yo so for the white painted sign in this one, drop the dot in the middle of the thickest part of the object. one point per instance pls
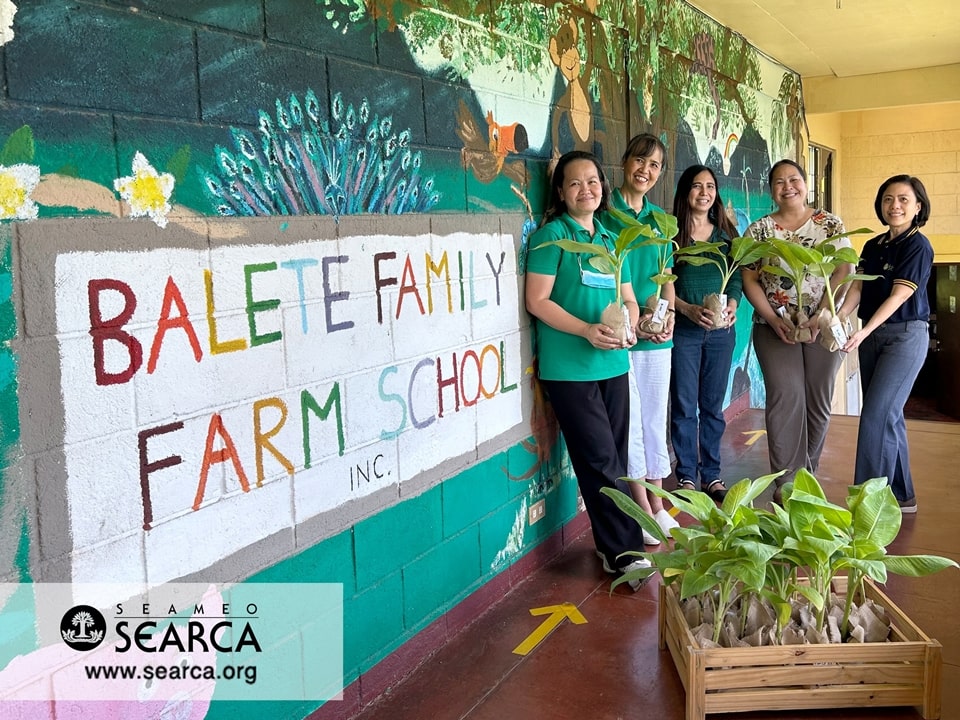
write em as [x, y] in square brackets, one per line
[213, 397]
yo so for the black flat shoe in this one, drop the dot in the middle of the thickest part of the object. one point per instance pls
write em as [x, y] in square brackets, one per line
[717, 490]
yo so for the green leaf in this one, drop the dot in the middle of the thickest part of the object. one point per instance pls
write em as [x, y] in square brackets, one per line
[628, 505]
[747, 250]
[857, 276]
[804, 481]
[917, 565]
[664, 278]
[700, 260]
[179, 163]
[849, 233]
[701, 248]
[19, 147]
[815, 598]
[777, 270]
[578, 247]
[695, 582]
[876, 514]
[795, 255]
[667, 223]
[603, 264]
[846, 255]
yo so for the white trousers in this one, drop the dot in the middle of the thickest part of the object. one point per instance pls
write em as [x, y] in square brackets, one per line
[647, 454]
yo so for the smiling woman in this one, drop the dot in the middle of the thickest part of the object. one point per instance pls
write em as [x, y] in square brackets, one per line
[799, 375]
[893, 343]
[581, 362]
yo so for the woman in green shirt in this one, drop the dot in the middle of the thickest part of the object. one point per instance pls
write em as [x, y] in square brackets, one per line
[702, 355]
[649, 381]
[582, 364]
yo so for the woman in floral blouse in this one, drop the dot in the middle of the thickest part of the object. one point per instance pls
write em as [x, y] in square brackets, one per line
[798, 377]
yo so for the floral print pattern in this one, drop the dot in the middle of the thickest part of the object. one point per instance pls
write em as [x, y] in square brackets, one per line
[780, 291]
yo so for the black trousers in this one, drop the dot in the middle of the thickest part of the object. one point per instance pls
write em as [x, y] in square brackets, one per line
[594, 418]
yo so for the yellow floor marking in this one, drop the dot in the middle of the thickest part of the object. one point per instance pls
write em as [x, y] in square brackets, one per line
[556, 615]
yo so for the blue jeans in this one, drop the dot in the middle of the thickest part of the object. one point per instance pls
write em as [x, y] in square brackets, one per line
[701, 370]
[890, 360]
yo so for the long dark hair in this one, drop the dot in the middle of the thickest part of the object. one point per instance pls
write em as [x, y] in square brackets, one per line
[717, 214]
[919, 190]
[555, 204]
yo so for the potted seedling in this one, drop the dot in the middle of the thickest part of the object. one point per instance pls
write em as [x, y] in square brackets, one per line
[654, 308]
[610, 262]
[796, 262]
[834, 331]
[742, 251]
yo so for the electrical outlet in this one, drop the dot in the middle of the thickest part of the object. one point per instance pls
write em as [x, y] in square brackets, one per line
[537, 511]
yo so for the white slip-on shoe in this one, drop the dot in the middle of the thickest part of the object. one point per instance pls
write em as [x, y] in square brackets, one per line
[638, 564]
[665, 520]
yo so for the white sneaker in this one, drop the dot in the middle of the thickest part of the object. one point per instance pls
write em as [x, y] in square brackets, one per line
[637, 564]
[665, 520]
[606, 565]
[649, 539]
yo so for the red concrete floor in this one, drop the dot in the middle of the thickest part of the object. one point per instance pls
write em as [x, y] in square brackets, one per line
[611, 668]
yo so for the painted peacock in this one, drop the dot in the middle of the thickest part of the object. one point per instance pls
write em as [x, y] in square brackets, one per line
[301, 164]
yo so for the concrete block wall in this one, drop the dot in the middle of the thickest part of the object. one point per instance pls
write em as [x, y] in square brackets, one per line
[922, 141]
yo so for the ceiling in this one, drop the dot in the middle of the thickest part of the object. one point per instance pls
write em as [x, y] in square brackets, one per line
[861, 37]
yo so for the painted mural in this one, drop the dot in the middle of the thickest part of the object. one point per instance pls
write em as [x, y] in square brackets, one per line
[258, 373]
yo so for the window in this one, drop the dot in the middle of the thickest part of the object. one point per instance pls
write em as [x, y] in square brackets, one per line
[820, 177]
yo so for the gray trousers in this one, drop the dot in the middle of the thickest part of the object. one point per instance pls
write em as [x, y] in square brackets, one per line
[799, 382]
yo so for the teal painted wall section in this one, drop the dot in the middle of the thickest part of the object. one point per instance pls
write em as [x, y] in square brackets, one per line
[417, 561]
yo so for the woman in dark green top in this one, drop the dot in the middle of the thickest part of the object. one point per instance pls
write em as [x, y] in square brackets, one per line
[702, 355]
[582, 363]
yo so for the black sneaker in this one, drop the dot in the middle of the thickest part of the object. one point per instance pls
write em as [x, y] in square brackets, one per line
[908, 507]
[716, 490]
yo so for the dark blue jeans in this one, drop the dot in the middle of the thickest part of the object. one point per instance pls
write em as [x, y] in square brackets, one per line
[698, 385]
[890, 360]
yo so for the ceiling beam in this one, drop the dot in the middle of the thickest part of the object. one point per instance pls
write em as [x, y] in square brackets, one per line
[827, 94]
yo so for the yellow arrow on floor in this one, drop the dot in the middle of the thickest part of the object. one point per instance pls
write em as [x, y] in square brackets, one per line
[557, 613]
[754, 436]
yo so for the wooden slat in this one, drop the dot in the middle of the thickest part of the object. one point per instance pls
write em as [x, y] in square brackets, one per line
[839, 696]
[785, 677]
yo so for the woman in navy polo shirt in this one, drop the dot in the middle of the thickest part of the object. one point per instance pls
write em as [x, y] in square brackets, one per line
[582, 363]
[893, 341]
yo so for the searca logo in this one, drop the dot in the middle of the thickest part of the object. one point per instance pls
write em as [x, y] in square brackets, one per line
[83, 628]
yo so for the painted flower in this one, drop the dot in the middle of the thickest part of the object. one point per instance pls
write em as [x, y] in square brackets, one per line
[7, 11]
[16, 184]
[147, 191]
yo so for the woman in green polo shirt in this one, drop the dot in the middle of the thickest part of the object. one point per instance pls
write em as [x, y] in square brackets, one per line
[582, 364]
[649, 381]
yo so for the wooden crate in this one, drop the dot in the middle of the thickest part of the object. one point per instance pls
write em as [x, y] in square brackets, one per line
[904, 671]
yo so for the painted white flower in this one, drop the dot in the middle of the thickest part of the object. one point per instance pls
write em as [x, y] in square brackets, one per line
[7, 11]
[16, 184]
[147, 191]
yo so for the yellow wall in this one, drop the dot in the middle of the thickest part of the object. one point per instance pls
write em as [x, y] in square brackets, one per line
[872, 145]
